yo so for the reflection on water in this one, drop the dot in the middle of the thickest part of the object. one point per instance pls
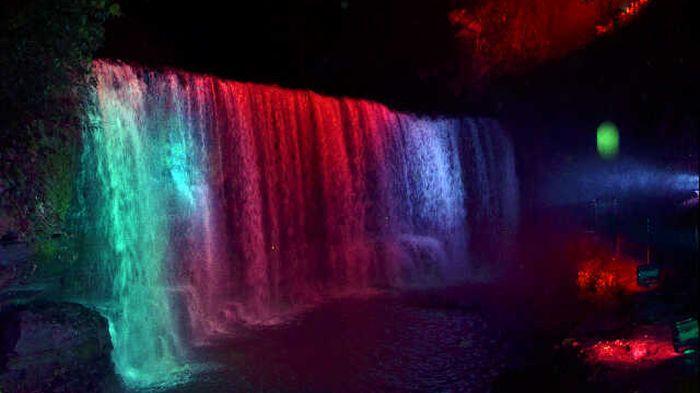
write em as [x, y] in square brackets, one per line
[360, 345]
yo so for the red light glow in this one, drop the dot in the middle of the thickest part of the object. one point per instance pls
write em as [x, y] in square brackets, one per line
[504, 36]
[604, 276]
[625, 14]
[649, 347]
[601, 273]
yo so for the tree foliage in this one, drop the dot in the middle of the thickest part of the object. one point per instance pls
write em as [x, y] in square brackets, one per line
[47, 50]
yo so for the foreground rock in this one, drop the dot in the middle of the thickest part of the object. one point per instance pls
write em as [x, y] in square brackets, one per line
[54, 347]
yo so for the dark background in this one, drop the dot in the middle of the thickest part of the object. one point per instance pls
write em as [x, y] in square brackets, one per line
[404, 53]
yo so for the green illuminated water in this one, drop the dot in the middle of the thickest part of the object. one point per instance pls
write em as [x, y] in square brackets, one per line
[136, 170]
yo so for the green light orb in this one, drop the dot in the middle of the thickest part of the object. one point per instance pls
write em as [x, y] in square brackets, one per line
[608, 140]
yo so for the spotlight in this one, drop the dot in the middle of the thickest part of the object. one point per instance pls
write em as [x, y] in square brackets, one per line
[648, 275]
[685, 335]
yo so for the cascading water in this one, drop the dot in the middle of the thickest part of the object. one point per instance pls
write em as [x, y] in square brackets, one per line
[126, 221]
[216, 202]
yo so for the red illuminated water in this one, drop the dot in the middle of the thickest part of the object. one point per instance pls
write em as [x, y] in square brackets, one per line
[250, 202]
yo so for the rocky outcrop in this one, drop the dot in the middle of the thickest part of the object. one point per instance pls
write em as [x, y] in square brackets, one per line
[54, 347]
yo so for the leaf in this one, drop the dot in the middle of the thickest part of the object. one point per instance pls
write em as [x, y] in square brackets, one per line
[114, 10]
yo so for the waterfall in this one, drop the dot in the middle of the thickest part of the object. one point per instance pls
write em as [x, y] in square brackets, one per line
[207, 203]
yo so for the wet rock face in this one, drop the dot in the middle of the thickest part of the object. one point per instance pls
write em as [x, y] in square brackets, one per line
[49, 346]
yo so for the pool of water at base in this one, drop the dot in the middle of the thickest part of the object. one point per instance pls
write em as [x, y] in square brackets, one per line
[385, 343]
